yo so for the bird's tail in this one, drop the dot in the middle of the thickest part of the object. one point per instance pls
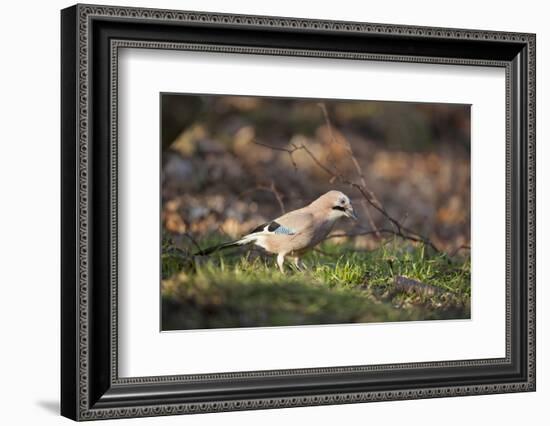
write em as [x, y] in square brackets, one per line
[245, 240]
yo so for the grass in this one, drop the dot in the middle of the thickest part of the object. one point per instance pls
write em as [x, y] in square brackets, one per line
[342, 285]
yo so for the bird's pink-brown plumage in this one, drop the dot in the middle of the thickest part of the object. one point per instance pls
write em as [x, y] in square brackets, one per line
[299, 230]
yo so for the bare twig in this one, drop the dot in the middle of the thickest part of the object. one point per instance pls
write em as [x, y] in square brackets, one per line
[273, 189]
[399, 230]
[193, 241]
[290, 151]
[278, 197]
[356, 165]
[369, 197]
[332, 138]
[369, 217]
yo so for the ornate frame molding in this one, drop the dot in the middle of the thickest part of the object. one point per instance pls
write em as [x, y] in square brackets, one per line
[79, 21]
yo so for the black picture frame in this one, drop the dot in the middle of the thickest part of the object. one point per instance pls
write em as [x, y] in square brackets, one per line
[90, 386]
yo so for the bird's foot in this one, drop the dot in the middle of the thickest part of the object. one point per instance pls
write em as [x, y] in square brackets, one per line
[280, 262]
[299, 265]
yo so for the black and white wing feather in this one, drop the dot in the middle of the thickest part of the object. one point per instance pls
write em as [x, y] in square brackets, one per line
[273, 227]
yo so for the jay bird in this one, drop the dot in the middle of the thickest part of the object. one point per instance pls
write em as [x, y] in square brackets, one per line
[297, 231]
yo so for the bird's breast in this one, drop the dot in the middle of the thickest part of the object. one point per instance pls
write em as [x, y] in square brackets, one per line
[321, 232]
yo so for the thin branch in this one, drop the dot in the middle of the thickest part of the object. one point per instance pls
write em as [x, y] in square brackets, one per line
[193, 241]
[278, 196]
[332, 138]
[369, 217]
[399, 230]
[358, 168]
[369, 199]
[272, 189]
[290, 151]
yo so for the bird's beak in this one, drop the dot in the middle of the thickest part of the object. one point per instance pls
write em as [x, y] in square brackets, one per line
[351, 213]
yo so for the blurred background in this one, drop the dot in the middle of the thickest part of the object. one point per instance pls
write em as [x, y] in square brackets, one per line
[226, 164]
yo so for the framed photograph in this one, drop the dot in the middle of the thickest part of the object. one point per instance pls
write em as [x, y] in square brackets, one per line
[263, 212]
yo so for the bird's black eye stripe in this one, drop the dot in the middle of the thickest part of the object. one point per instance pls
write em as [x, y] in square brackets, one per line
[339, 208]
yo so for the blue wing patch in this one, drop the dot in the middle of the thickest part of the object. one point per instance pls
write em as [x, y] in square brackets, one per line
[283, 230]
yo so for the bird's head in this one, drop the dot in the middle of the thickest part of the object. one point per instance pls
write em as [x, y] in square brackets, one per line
[337, 204]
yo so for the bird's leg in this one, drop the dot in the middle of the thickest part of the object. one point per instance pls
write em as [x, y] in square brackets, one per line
[300, 266]
[297, 263]
[280, 261]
